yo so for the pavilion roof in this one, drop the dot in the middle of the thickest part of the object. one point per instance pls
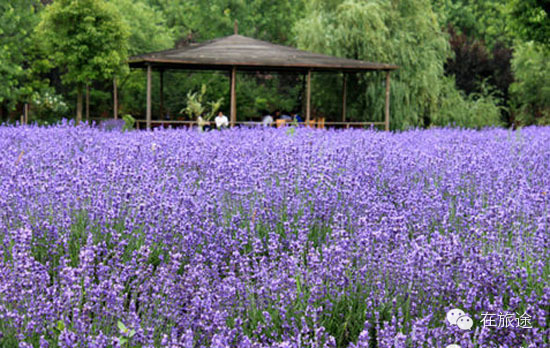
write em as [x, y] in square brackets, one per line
[247, 53]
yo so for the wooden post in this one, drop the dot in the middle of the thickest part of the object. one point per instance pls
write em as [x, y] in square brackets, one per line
[148, 111]
[162, 94]
[233, 97]
[79, 104]
[344, 96]
[235, 27]
[26, 113]
[387, 111]
[87, 103]
[308, 96]
[115, 99]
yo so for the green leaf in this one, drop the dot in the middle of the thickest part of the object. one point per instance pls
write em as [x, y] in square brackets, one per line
[122, 327]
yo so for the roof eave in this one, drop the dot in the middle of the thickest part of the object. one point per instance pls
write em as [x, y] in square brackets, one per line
[139, 62]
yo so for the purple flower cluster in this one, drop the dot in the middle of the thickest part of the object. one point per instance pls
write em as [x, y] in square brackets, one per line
[269, 238]
[111, 124]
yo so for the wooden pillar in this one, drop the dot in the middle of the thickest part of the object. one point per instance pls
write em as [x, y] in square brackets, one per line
[87, 103]
[387, 110]
[162, 94]
[148, 110]
[115, 99]
[308, 97]
[26, 113]
[79, 104]
[344, 96]
[233, 97]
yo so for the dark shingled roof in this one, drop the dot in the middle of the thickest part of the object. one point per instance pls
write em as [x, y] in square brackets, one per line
[249, 54]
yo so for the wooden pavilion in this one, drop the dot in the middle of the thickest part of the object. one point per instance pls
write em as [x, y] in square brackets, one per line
[240, 53]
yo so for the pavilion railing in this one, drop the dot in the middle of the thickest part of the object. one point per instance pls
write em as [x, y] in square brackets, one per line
[142, 123]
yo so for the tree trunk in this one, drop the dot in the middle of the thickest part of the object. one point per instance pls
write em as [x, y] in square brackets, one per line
[87, 103]
[78, 104]
[115, 99]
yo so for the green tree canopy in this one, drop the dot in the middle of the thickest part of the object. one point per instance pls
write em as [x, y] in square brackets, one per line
[17, 21]
[87, 39]
[148, 30]
[531, 89]
[484, 20]
[198, 20]
[403, 32]
[531, 19]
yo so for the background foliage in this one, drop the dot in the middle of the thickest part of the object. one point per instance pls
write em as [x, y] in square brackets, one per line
[405, 33]
[531, 90]
[463, 62]
[17, 20]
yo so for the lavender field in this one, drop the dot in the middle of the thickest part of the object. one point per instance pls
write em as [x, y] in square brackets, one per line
[273, 238]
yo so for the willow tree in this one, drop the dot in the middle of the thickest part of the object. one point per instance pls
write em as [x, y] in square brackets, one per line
[86, 39]
[402, 32]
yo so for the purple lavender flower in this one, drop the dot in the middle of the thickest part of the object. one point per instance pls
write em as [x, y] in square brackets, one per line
[255, 238]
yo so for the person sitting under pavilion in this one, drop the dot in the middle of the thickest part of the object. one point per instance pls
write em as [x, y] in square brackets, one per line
[267, 120]
[221, 121]
[285, 117]
[297, 117]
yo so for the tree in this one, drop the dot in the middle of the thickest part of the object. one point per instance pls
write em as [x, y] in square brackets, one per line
[198, 20]
[531, 89]
[148, 30]
[85, 38]
[531, 19]
[474, 66]
[405, 33]
[17, 21]
[402, 32]
[483, 20]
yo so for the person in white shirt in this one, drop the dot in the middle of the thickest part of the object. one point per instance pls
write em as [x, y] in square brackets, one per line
[267, 120]
[221, 121]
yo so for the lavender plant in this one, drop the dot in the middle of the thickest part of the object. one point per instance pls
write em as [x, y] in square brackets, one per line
[253, 238]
